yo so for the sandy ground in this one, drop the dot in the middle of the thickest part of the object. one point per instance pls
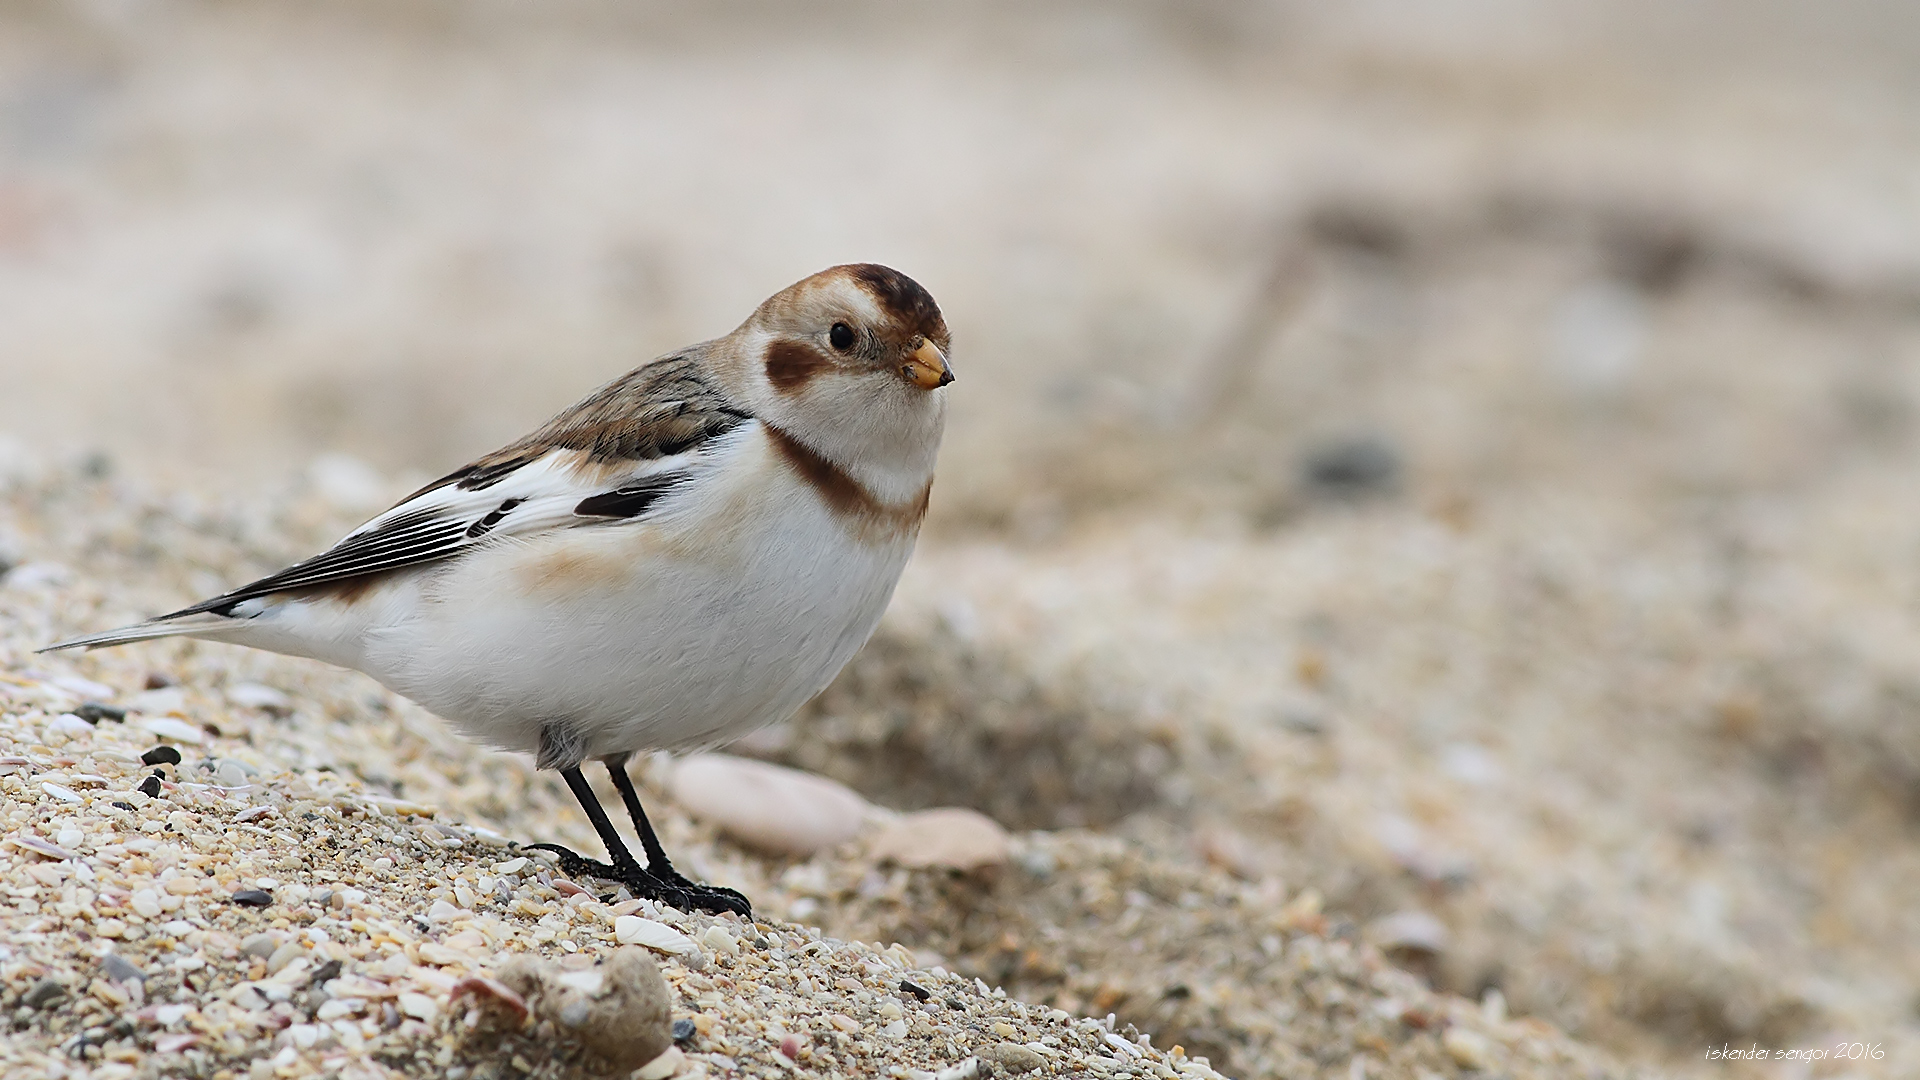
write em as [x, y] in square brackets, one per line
[1452, 459]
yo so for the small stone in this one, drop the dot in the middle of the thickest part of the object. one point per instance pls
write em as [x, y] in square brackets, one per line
[71, 724]
[1469, 1049]
[683, 1031]
[954, 838]
[284, 955]
[253, 898]
[159, 701]
[184, 885]
[1012, 1057]
[86, 688]
[118, 969]
[230, 774]
[914, 988]
[441, 911]
[40, 847]
[658, 936]
[42, 994]
[161, 755]
[70, 838]
[260, 945]
[93, 712]
[419, 1006]
[150, 787]
[169, 728]
[1411, 931]
[717, 939]
[173, 1042]
[253, 695]
[146, 903]
[441, 955]
[665, 1065]
[777, 810]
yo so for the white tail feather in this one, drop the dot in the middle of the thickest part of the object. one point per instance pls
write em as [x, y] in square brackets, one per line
[203, 625]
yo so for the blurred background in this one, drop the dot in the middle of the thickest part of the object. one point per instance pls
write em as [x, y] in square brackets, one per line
[1455, 456]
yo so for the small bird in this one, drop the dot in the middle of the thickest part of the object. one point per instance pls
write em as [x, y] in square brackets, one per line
[688, 554]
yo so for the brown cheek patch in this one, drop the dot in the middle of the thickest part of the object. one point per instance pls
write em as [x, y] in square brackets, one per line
[867, 517]
[791, 365]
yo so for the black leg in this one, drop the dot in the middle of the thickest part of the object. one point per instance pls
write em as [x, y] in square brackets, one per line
[707, 897]
[668, 887]
[623, 865]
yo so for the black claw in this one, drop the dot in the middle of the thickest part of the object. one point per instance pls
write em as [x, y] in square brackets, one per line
[676, 891]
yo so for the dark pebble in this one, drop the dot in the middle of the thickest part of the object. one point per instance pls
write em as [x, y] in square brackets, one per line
[118, 969]
[151, 787]
[325, 973]
[43, 993]
[916, 990]
[253, 898]
[123, 805]
[161, 755]
[683, 1030]
[1354, 467]
[93, 712]
[159, 680]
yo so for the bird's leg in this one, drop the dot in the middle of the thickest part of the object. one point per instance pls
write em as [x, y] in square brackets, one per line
[711, 898]
[623, 866]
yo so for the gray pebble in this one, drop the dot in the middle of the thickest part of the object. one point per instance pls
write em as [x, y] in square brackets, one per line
[44, 993]
[1012, 1057]
[260, 945]
[118, 969]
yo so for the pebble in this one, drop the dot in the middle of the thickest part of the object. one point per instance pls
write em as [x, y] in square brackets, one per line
[253, 695]
[43, 993]
[658, 936]
[1470, 1049]
[419, 1006]
[161, 755]
[953, 838]
[41, 847]
[1413, 930]
[118, 969]
[774, 809]
[93, 712]
[169, 728]
[1012, 1057]
[72, 724]
[284, 955]
[717, 939]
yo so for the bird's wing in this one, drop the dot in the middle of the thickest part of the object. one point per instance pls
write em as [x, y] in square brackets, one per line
[608, 458]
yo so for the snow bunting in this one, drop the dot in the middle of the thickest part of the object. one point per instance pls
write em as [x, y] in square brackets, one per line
[688, 554]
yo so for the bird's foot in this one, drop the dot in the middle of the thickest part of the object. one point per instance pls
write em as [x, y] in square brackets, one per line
[672, 889]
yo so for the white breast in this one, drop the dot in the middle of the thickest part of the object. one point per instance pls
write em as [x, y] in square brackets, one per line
[726, 609]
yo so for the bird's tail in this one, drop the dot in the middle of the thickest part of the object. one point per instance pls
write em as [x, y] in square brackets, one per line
[200, 625]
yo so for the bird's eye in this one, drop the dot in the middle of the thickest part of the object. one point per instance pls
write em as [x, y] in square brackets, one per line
[841, 336]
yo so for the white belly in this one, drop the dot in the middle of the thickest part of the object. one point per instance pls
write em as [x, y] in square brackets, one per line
[724, 613]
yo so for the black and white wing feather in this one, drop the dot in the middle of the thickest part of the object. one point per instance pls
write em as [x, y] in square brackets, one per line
[607, 459]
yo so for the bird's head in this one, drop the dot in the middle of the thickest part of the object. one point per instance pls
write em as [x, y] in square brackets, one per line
[852, 360]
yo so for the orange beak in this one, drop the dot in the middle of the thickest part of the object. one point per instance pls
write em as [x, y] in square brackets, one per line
[927, 369]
